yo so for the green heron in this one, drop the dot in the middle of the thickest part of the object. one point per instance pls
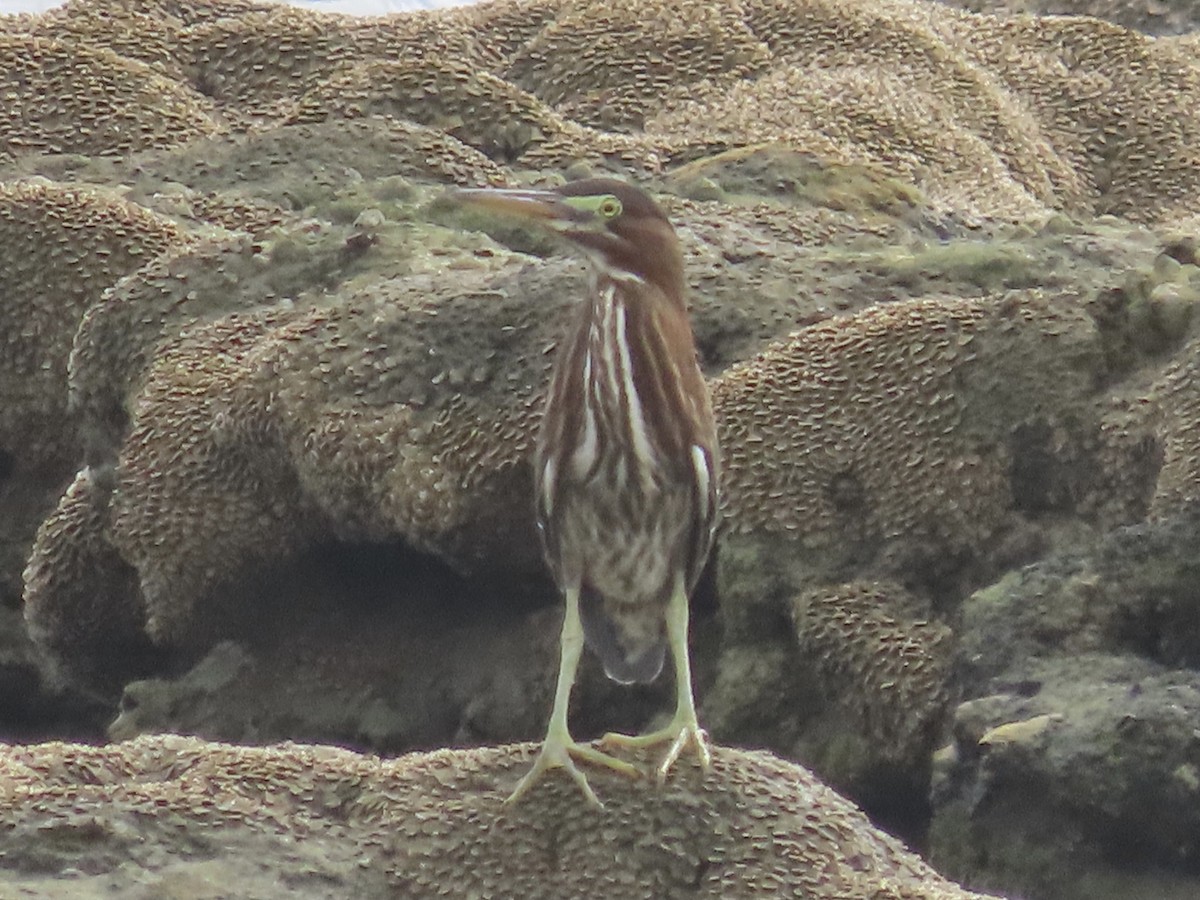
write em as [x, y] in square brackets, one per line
[626, 462]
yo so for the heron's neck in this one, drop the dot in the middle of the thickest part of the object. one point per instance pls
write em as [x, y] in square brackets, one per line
[608, 285]
[656, 275]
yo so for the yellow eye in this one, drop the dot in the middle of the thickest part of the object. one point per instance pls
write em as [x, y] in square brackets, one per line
[610, 207]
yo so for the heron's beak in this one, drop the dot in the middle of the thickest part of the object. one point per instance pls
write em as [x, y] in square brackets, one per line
[545, 207]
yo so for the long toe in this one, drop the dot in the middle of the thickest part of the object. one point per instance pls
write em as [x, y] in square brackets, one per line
[679, 734]
[614, 739]
[562, 754]
[553, 755]
[590, 755]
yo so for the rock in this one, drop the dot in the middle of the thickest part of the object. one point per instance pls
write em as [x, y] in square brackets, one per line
[326, 822]
[1074, 781]
[1077, 742]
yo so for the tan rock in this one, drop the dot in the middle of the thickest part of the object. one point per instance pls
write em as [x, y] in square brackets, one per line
[435, 823]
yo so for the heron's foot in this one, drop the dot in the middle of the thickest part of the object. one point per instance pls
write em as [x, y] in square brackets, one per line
[682, 732]
[562, 752]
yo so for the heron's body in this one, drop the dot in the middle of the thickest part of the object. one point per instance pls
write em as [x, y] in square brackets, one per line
[624, 470]
[626, 462]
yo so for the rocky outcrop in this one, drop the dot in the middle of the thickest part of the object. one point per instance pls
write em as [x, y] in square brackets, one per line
[323, 822]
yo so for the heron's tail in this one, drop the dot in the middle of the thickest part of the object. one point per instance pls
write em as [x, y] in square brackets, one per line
[630, 641]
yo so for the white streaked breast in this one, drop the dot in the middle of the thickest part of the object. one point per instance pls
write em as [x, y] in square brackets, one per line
[608, 359]
[549, 473]
[703, 476]
[637, 421]
[584, 457]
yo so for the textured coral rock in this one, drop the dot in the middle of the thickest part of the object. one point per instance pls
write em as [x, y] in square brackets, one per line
[407, 410]
[477, 108]
[264, 60]
[1016, 133]
[1131, 135]
[612, 65]
[855, 679]
[1184, 46]
[1171, 17]
[434, 824]
[449, 390]
[197, 471]
[141, 31]
[276, 161]
[60, 248]
[118, 336]
[855, 76]
[259, 63]
[859, 688]
[889, 670]
[894, 422]
[71, 97]
[1131, 593]
[81, 605]
[499, 30]
[283, 175]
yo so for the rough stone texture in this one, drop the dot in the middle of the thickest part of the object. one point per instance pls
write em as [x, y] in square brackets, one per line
[260, 61]
[475, 107]
[1133, 592]
[1075, 760]
[387, 413]
[1176, 398]
[1103, 132]
[327, 822]
[142, 31]
[205, 479]
[380, 648]
[613, 65]
[63, 246]
[1074, 788]
[118, 337]
[1017, 133]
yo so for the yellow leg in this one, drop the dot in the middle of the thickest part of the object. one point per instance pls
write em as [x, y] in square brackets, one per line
[559, 749]
[684, 727]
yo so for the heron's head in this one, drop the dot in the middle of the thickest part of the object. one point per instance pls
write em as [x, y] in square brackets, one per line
[622, 230]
